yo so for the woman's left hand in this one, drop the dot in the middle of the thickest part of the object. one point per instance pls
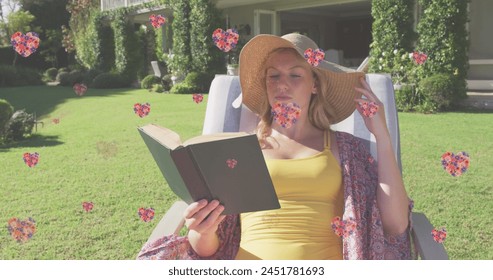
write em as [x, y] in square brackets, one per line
[376, 124]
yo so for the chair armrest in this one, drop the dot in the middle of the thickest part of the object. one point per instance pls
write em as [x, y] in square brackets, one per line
[171, 223]
[427, 248]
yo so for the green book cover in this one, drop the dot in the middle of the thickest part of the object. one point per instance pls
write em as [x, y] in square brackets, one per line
[229, 167]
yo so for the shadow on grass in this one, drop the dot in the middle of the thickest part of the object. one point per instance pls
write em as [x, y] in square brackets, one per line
[43, 99]
[34, 141]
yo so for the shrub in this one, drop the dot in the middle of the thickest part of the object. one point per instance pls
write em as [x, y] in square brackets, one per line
[11, 76]
[51, 74]
[157, 88]
[182, 88]
[6, 111]
[110, 80]
[20, 124]
[167, 82]
[69, 79]
[63, 69]
[199, 81]
[62, 76]
[90, 76]
[438, 90]
[149, 81]
[404, 98]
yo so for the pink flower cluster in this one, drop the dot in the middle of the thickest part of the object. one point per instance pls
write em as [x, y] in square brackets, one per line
[343, 228]
[146, 214]
[368, 109]
[285, 114]
[225, 40]
[157, 20]
[87, 206]
[314, 56]
[457, 164]
[31, 159]
[25, 45]
[142, 110]
[439, 235]
[197, 97]
[21, 230]
[80, 89]
[419, 58]
[231, 163]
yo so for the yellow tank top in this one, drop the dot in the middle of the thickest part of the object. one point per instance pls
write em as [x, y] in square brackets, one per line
[310, 193]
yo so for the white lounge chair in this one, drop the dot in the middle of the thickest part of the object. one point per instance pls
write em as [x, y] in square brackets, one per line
[225, 113]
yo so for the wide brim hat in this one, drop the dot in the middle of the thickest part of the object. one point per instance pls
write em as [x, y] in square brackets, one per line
[253, 56]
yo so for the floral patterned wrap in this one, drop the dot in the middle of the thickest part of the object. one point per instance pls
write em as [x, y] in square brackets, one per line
[367, 241]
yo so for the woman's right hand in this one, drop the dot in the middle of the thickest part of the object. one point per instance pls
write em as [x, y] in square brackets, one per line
[202, 219]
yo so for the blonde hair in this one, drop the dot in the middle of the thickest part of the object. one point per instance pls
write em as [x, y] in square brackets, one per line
[319, 110]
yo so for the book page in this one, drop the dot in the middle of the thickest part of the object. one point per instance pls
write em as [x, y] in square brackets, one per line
[214, 137]
[165, 136]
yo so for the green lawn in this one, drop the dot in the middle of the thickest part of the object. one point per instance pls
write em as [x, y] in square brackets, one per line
[96, 154]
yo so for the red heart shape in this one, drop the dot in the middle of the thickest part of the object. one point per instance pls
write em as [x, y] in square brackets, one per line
[31, 159]
[457, 164]
[439, 235]
[25, 45]
[419, 58]
[157, 20]
[146, 214]
[314, 56]
[343, 228]
[285, 114]
[80, 89]
[21, 230]
[368, 109]
[197, 97]
[87, 206]
[142, 110]
[231, 163]
[225, 40]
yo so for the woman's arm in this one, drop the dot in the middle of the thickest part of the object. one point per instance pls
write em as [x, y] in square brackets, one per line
[202, 220]
[392, 198]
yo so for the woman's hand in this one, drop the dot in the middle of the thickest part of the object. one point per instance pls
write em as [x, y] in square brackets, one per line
[375, 124]
[202, 219]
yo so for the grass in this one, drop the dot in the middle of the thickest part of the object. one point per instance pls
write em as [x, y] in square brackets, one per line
[96, 154]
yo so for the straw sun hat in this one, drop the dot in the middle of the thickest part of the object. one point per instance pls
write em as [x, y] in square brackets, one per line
[253, 56]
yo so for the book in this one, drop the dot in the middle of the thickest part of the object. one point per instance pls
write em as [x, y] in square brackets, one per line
[229, 167]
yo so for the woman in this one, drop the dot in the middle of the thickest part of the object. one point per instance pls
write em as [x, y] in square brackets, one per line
[327, 183]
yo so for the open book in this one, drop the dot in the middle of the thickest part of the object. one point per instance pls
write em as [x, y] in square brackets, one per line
[228, 167]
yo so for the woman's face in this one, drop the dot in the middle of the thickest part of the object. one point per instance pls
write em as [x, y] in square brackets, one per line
[289, 79]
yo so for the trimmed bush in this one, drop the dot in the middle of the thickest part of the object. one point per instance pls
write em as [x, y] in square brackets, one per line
[167, 82]
[69, 79]
[19, 126]
[183, 88]
[110, 80]
[90, 76]
[404, 98]
[439, 90]
[6, 111]
[200, 81]
[51, 74]
[149, 81]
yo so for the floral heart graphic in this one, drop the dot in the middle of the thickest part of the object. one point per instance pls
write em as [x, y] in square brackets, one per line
[457, 164]
[225, 40]
[231, 163]
[146, 214]
[197, 97]
[21, 230]
[439, 235]
[157, 20]
[31, 159]
[419, 58]
[314, 56]
[142, 110]
[368, 109]
[343, 228]
[285, 114]
[80, 89]
[87, 206]
[55, 120]
[25, 45]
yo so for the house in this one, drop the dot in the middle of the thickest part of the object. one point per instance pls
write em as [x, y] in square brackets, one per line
[343, 26]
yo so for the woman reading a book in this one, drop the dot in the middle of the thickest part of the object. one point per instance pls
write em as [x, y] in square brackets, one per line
[337, 202]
